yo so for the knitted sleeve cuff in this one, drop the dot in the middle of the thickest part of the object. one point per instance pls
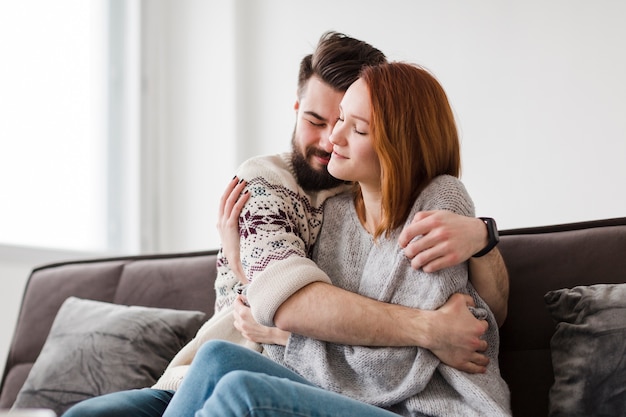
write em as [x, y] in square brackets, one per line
[279, 281]
[171, 378]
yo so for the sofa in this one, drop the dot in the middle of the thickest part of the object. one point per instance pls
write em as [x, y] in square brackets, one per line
[553, 271]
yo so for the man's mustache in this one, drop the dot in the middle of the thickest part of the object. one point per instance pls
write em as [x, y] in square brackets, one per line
[318, 152]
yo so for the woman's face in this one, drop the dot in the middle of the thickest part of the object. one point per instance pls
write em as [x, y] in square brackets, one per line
[353, 157]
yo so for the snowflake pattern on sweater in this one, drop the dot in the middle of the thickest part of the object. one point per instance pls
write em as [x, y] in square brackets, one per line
[279, 221]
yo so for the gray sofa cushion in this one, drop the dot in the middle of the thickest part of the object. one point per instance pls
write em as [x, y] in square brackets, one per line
[182, 281]
[95, 348]
[588, 351]
[540, 260]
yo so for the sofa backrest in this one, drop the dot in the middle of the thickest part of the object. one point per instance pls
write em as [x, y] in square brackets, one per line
[181, 281]
[541, 259]
[538, 260]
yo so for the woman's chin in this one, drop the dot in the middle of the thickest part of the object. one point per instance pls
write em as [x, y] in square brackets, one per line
[337, 173]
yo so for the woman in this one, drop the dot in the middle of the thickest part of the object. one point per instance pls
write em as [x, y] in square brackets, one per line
[396, 140]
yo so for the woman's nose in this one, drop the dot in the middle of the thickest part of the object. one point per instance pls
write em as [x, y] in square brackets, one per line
[335, 135]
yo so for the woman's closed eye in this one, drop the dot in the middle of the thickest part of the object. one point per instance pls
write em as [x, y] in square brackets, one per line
[354, 128]
[358, 132]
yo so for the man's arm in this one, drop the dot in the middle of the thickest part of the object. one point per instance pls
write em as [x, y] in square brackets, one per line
[325, 312]
[491, 279]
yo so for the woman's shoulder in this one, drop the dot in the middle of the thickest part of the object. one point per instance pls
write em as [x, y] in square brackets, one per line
[339, 210]
[445, 192]
[343, 199]
[446, 181]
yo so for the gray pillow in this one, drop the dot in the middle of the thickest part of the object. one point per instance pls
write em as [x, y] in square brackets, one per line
[588, 351]
[96, 348]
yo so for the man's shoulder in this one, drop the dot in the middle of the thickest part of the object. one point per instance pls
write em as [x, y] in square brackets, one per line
[277, 171]
[266, 165]
[272, 170]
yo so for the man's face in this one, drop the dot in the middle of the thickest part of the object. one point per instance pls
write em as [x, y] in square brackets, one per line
[317, 111]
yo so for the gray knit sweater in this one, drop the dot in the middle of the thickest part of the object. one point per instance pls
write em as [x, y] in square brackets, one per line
[408, 381]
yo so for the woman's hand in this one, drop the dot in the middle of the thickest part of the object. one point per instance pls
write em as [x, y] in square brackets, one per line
[231, 204]
[251, 330]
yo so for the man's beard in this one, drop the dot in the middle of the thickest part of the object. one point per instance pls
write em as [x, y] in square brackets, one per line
[311, 179]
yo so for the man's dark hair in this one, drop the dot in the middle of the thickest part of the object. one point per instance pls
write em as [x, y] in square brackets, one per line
[337, 61]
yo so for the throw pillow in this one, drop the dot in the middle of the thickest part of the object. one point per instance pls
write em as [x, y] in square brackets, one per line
[588, 351]
[95, 348]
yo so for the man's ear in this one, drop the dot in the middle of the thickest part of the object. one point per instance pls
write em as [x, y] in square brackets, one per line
[296, 105]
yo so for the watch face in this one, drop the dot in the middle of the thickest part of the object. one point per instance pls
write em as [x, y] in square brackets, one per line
[493, 229]
[493, 236]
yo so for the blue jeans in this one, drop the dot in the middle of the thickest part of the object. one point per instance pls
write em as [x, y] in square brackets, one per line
[145, 402]
[230, 380]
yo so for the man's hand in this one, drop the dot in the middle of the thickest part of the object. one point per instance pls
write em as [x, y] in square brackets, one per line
[253, 331]
[455, 336]
[447, 239]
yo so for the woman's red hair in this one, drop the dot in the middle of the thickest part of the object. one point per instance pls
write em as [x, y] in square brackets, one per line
[414, 133]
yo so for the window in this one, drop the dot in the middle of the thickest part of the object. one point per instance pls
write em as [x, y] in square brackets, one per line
[68, 135]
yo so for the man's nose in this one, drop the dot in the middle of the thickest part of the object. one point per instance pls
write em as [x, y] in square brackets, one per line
[325, 143]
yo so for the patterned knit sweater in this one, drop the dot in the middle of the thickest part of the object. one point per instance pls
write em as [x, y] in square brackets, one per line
[278, 225]
[406, 380]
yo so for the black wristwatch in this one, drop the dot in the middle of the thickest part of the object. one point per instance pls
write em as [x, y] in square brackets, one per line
[492, 235]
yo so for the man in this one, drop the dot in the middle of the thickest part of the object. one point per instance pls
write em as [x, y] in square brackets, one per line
[282, 219]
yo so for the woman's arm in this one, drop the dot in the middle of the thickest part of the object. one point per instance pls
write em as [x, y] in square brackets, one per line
[448, 239]
[231, 204]
[251, 330]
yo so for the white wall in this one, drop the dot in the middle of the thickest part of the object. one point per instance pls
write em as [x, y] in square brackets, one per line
[538, 88]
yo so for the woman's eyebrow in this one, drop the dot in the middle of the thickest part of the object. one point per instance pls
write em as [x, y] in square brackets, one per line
[356, 116]
[363, 119]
